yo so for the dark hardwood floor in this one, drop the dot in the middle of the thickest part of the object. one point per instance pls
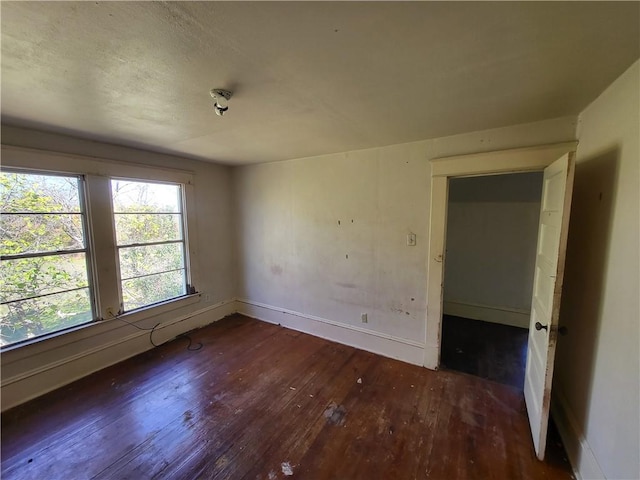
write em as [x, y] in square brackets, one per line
[262, 402]
[488, 350]
[495, 352]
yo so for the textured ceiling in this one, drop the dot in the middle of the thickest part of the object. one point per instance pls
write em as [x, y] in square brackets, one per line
[309, 78]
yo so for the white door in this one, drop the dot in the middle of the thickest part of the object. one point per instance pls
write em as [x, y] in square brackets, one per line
[547, 288]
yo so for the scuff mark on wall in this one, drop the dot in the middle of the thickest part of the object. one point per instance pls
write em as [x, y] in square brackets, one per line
[396, 307]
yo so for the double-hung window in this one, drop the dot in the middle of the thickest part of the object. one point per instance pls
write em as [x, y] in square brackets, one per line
[45, 260]
[150, 239]
[88, 243]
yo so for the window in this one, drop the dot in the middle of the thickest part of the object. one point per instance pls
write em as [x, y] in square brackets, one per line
[44, 256]
[60, 267]
[150, 240]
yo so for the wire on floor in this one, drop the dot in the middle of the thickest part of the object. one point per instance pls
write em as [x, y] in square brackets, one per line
[191, 348]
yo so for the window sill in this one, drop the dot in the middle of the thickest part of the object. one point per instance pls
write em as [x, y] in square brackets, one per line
[143, 313]
[66, 336]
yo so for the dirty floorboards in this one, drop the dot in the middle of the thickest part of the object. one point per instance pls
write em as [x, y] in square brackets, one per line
[488, 350]
[260, 401]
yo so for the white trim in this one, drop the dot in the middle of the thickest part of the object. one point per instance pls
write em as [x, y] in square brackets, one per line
[383, 344]
[583, 461]
[435, 270]
[513, 317]
[103, 254]
[106, 346]
[35, 159]
[500, 161]
[332, 322]
[503, 161]
[66, 337]
[45, 378]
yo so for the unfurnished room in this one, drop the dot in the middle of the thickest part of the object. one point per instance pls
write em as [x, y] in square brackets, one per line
[320, 240]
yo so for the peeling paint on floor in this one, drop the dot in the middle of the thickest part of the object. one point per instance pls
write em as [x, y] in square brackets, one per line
[287, 469]
[335, 414]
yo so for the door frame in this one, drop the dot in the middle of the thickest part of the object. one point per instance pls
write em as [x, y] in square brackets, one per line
[532, 159]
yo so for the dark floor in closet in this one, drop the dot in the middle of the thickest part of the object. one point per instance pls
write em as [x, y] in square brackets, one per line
[488, 350]
[495, 352]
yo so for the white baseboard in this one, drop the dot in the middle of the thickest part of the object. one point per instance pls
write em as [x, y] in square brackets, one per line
[386, 345]
[45, 378]
[583, 461]
[486, 313]
[56, 371]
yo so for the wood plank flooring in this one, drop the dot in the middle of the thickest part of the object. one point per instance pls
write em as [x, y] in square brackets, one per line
[259, 401]
[488, 350]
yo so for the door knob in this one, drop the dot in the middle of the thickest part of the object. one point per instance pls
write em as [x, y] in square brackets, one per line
[540, 326]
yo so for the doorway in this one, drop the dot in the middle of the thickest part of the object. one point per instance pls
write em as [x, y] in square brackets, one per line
[491, 235]
[558, 163]
[533, 159]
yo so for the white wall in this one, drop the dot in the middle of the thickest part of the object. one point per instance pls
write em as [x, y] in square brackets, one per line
[597, 377]
[292, 264]
[34, 369]
[492, 226]
[301, 268]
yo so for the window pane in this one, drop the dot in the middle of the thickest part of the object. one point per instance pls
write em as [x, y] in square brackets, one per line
[148, 213]
[137, 261]
[31, 277]
[144, 228]
[131, 196]
[38, 316]
[42, 213]
[142, 291]
[22, 192]
[42, 232]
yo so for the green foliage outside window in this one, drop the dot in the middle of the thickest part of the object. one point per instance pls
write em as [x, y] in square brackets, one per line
[149, 216]
[41, 294]
[44, 270]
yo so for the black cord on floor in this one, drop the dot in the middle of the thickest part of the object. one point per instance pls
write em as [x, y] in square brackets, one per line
[153, 329]
[197, 347]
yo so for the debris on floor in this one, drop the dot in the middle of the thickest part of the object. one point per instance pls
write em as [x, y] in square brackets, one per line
[335, 414]
[359, 380]
[287, 469]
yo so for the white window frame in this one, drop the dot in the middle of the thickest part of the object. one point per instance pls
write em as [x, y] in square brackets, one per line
[183, 241]
[87, 250]
[100, 226]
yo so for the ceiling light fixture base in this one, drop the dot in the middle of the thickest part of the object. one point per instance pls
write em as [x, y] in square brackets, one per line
[220, 97]
[221, 93]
